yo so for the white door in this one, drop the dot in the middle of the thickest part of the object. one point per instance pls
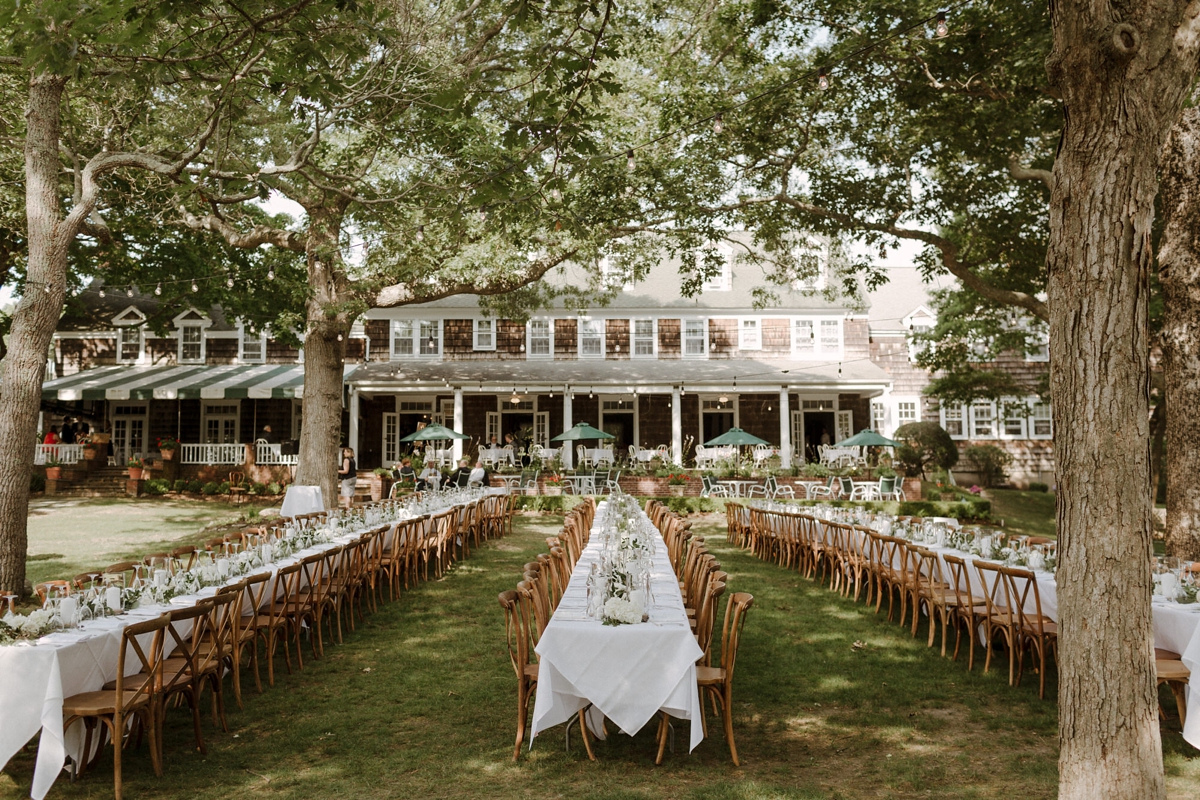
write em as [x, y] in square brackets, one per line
[845, 425]
[391, 439]
[799, 446]
[129, 433]
[541, 428]
[493, 427]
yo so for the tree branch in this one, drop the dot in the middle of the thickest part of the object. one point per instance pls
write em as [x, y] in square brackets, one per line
[1021, 172]
[402, 294]
[246, 240]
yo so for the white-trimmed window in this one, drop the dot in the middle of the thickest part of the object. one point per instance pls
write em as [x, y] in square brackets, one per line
[816, 338]
[252, 346]
[540, 334]
[1038, 347]
[1041, 423]
[723, 280]
[484, 334]
[402, 337]
[750, 334]
[695, 338]
[953, 421]
[591, 338]
[131, 345]
[416, 337]
[907, 411]
[429, 342]
[983, 420]
[878, 416]
[645, 338]
[1014, 420]
[191, 343]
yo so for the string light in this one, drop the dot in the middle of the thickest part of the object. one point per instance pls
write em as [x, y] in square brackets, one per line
[129, 292]
[102, 293]
[158, 289]
[718, 124]
[942, 28]
[270, 274]
[822, 80]
[229, 282]
[47, 288]
[630, 162]
[556, 195]
[195, 288]
[339, 337]
[420, 233]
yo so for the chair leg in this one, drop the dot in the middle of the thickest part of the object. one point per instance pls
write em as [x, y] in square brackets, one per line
[662, 738]
[727, 715]
[522, 712]
[118, 724]
[587, 739]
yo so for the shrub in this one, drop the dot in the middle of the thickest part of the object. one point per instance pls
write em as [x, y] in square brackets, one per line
[991, 462]
[212, 487]
[256, 488]
[158, 486]
[223, 487]
[195, 487]
[179, 485]
[1035, 486]
[925, 444]
[274, 488]
[37, 483]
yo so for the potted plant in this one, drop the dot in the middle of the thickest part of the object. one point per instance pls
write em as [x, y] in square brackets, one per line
[553, 484]
[167, 447]
[136, 468]
[53, 468]
[678, 483]
[381, 483]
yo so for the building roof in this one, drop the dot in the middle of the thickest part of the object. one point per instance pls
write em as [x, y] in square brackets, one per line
[905, 292]
[624, 376]
[89, 311]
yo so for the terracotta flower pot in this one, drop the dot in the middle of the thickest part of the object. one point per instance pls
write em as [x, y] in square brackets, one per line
[53, 473]
[167, 455]
[551, 490]
[135, 473]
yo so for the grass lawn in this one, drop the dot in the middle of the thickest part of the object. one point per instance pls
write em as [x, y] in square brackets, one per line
[1030, 513]
[70, 535]
[831, 701]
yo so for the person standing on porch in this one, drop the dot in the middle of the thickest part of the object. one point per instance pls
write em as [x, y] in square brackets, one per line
[348, 475]
[51, 435]
[267, 435]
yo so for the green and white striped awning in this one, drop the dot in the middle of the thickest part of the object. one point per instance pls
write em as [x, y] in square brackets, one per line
[262, 381]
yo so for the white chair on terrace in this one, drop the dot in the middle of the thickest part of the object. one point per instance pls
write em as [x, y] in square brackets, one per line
[581, 457]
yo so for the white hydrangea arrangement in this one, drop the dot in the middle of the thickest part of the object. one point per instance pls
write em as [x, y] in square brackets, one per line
[623, 611]
[35, 625]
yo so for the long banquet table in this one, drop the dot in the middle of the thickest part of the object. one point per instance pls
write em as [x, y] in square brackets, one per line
[1176, 626]
[626, 672]
[38, 676]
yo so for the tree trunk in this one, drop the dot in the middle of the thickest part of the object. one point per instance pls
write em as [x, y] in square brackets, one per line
[1122, 88]
[33, 324]
[1158, 430]
[1179, 273]
[324, 355]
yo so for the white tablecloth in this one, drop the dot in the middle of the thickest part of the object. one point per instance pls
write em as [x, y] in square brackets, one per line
[302, 500]
[37, 677]
[627, 672]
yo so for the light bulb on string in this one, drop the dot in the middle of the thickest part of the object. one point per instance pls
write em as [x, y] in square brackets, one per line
[46, 288]
[420, 233]
[102, 293]
[718, 124]
[482, 215]
[195, 288]
[822, 80]
[129, 292]
[556, 195]
[942, 28]
[630, 161]
[339, 337]
[229, 282]
[158, 290]
[270, 274]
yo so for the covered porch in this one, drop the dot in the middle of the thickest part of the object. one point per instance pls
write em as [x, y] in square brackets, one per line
[656, 405]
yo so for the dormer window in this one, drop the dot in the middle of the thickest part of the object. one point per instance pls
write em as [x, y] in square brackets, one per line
[191, 325]
[252, 346]
[131, 337]
[723, 280]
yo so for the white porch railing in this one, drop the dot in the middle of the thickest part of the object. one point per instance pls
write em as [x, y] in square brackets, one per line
[212, 453]
[269, 454]
[65, 453]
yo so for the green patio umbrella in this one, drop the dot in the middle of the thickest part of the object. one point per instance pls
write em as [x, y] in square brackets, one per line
[868, 438]
[581, 430]
[736, 436]
[434, 432]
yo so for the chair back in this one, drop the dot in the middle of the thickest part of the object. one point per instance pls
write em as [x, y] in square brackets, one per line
[847, 486]
[887, 486]
[960, 580]
[150, 658]
[995, 593]
[223, 626]
[1021, 588]
[772, 486]
[518, 630]
[187, 646]
[706, 613]
[731, 635]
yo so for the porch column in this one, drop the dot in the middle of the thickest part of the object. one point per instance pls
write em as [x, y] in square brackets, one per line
[785, 429]
[353, 443]
[676, 426]
[458, 423]
[568, 413]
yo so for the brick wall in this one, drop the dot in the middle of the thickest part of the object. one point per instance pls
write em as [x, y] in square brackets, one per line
[669, 342]
[566, 338]
[722, 338]
[616, 339]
